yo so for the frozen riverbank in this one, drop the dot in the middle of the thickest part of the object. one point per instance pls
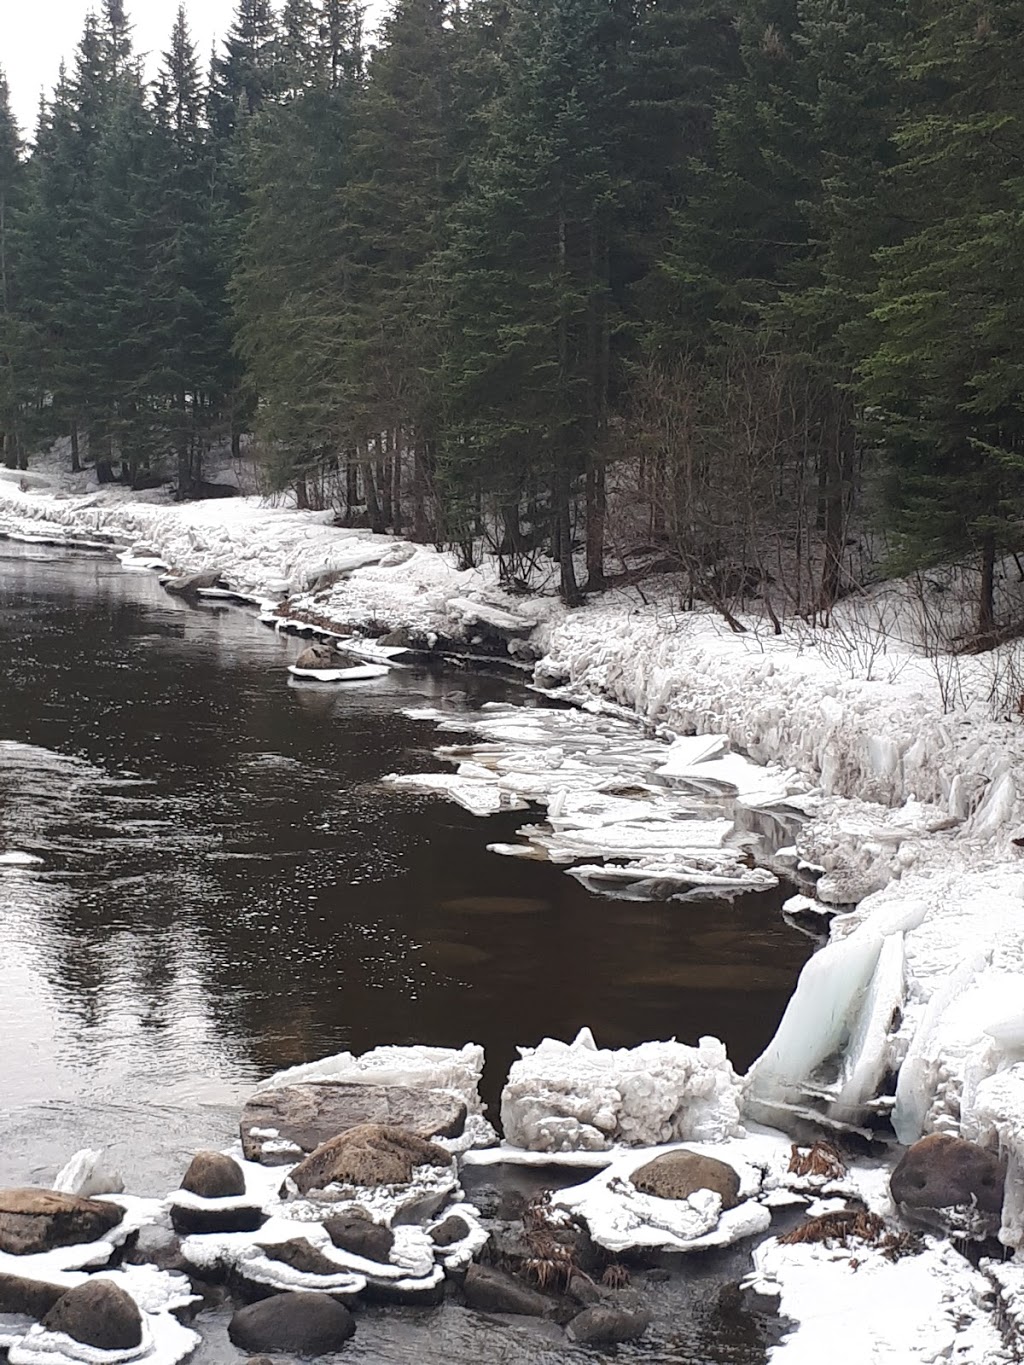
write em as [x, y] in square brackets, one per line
[927, 980]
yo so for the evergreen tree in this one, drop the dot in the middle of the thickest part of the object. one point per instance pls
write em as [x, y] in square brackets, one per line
[12, 334]
[529, 352]
[946, 369]
[189, 288]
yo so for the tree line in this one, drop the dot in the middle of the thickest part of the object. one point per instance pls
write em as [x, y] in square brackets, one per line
[565, 280]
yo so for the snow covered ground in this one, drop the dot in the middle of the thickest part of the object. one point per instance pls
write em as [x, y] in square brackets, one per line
[910, 764]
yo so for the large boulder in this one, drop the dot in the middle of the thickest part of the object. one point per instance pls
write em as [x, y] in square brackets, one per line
[34, 1298]
[301, 1323]
[950, 1182]
[33, 1220]
[311, 1113]
[97, 1313]
[187, 585]
[604, 1325]
[677, 1175]
[356, 1232]
[368, 1156]
[492, 1291]
[214, 1175]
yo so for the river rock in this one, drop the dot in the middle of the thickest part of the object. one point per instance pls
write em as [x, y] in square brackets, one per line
[453, 1229]
[34, 1298]
[950, 1182]
[357, 1233]
[213, 1175]
[677, 1175]
[369, 1155]
[493, 1291]
[188, 1221]
[33, 1220]
[189, 584]
[604, 1325]
[317, 656]
[298, 1322]
[98, 1313]
[311, 1113]
[300, 1255]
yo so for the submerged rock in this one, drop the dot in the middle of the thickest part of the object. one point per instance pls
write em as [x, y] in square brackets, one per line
[98, 1313]
[493, 1291]
[213, 1175]
[311, 1113]
[33, 1220]
[299, 1322]
[603, 1325]
[370, 1155]
[677, 1175]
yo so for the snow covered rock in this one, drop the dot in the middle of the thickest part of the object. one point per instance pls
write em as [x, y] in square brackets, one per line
[282, 1124]
[679, 1174]
[566, 1096]
[86, 1175]
[367, 1156]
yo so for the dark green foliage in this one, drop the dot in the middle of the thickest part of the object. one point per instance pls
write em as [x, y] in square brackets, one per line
[717, 256]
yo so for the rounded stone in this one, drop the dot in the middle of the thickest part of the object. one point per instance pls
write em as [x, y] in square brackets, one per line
[301, 1323]
[677, 1175]
[213, 1175]
[941, 1172]
[98, 1313]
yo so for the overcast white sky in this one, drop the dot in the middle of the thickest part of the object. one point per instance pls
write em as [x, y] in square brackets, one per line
[36, 34]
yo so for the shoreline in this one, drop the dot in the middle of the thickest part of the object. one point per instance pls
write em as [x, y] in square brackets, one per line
[912, 813]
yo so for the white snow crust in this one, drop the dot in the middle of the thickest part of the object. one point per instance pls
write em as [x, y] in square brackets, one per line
[568, 1096]
[908, 771]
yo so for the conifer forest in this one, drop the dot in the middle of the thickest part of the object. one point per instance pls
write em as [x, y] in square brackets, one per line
[735, 282]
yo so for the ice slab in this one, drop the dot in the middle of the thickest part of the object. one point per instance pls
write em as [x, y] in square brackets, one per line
[567, 1096]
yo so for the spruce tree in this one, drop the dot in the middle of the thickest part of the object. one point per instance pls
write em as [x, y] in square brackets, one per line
[945, 371]
[13, 336]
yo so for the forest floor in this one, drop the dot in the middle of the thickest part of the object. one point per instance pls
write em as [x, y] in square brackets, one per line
[912, 759]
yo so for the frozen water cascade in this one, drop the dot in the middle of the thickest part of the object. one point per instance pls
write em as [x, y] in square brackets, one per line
[626, 814]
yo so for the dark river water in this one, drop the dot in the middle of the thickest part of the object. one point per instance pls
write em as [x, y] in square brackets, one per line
[227, 888]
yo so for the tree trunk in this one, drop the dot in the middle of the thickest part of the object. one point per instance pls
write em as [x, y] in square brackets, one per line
[377, 523]
[986, 596]
[302, 494]
[834, 491]
[596, 510]
[420, 523]
[394, 445]
[382, 477]
[76, 464]
[567, 586]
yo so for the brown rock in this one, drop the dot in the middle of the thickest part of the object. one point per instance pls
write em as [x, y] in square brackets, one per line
[356, 1232]
[453, 1229]
[492, 1291]
[942, 1172]
[604, 1325]
[212, 1175]
[312, 1113]
[677, 1175]
[301, 1255]
[34, 1220]
[369, 1155]
[317, 656]
[308, 1324]
[98, 1313]
[34, 1298]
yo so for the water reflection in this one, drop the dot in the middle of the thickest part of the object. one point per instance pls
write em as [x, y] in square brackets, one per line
[227, 888]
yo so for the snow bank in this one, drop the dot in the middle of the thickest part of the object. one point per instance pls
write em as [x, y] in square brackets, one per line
[567, 1096]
